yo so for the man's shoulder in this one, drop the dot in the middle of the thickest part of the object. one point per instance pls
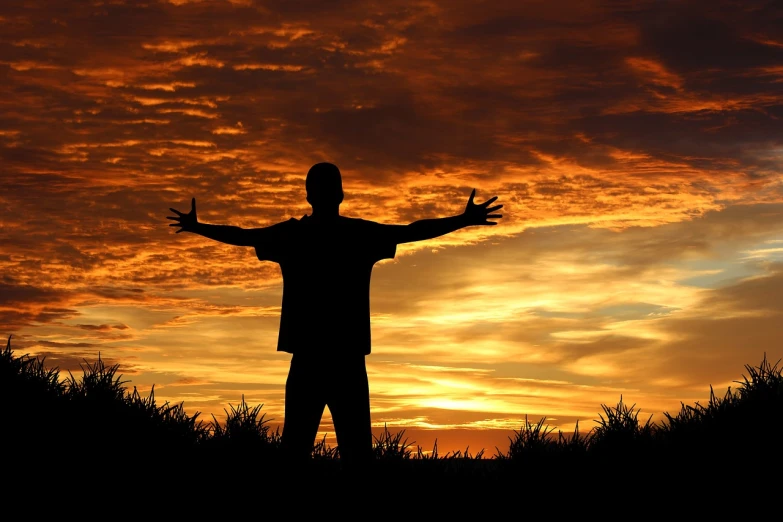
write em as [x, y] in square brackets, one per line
[291, 222]
[373, 233]
[277, 230]
[359, 222]
[276, 233]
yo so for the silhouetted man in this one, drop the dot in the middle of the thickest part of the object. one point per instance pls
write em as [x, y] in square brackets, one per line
[326, 260]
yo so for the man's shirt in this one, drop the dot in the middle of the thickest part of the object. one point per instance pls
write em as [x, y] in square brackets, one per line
[326, 269]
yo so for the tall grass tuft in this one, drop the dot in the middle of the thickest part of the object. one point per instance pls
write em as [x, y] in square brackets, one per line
[620, 434]
[246, 432]
[532, 443]
[322, 451]
[243, 425]
[392, 447]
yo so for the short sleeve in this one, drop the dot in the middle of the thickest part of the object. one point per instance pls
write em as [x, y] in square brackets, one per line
[274, 242]
[380, 241]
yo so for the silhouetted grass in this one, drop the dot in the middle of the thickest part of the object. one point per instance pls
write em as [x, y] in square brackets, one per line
[95, 415]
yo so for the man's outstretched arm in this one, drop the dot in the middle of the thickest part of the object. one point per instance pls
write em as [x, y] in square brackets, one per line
[224, 233]
[474, 214]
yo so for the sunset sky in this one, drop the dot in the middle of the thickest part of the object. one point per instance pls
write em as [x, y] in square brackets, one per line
[637, 148]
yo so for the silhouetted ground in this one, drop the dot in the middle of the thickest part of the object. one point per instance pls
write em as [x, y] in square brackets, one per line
[92, 435]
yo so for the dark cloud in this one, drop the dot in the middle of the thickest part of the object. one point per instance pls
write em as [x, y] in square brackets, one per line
[54, 344]
[102, 327]
[16, 294]
[692, 37]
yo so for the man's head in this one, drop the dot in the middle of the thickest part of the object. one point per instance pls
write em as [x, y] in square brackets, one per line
[324, 185]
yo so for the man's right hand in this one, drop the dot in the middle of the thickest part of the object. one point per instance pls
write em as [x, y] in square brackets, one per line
[482, 213]
[187, 222]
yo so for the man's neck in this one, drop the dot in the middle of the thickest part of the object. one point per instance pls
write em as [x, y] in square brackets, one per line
[327, 213]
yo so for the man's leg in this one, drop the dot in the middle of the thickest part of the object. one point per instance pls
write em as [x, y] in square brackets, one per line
[304, 406]
[349, 402]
